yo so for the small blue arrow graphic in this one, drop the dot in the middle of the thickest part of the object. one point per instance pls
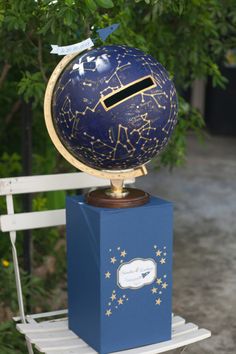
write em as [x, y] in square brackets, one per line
[105, 32]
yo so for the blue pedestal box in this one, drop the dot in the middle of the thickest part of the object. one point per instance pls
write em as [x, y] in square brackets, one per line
[119, 274]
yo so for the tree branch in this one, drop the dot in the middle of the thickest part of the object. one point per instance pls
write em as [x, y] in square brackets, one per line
[4, 73]
[40, 59]
[14, 109]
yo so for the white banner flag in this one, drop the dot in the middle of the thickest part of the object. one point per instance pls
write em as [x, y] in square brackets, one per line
[69, 49]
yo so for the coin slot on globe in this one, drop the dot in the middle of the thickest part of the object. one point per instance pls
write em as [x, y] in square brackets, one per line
[109, 111]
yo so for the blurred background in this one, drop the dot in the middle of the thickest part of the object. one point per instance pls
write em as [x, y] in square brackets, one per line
[196, 41]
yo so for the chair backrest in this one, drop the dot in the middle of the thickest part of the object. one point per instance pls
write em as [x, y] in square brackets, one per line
[40, 219]
[12, 222]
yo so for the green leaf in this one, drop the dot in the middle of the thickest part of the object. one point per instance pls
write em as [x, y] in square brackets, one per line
[69, 2]
[107, 4]
[91, 5]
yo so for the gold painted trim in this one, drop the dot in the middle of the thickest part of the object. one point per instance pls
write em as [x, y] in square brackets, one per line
[125, 87]
[139, 171]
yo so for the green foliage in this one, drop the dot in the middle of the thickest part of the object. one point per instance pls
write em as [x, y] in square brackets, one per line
[32, 286]
[189, 37]
[31, 85]
[189, 119]
[10, 344]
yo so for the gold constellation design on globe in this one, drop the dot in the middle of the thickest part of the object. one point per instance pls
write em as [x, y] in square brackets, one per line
[171, 121]
[123, 140]
[116, 73]
[120, 136]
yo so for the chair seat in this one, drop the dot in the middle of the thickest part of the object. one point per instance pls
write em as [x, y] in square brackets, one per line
[54, 336]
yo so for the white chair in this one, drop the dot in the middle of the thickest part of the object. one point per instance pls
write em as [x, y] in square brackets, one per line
[52, 336]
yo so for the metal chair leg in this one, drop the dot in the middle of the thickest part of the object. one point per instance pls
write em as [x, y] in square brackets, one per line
[10, 210]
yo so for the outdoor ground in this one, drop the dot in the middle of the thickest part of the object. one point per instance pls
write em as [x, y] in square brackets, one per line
[204, 195]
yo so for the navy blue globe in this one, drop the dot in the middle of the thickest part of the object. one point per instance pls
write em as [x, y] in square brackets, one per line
[114, 107]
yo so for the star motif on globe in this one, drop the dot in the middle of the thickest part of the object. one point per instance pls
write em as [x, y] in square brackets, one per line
[120, 301]
[113, 260]
[123, 254]
[164, 285]
[158, 301]
[159, 281]
[154, 290]
[158, 253]
[107, 275]
[163, 260]
[113, 297]
[108, 313]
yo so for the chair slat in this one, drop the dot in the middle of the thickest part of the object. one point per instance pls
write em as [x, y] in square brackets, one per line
[43, 314]
[42, 336]
[60, 344]
[177, 321]
[65, 181]
[85, 350]
[33, 220]
[42, 327]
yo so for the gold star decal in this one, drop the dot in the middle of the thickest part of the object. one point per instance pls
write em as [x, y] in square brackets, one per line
[164, 285]
[113, 260]
[159, 281]
[158, 301]
[154, 290]
[108, 313]
[158, 253]
[123, 254]
[120, 301]
[163, 260]
[107, 275]
[113, 297]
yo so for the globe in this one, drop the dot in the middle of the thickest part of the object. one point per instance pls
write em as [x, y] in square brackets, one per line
[114, 107]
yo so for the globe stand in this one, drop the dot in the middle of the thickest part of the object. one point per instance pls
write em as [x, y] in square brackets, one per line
[117, 196]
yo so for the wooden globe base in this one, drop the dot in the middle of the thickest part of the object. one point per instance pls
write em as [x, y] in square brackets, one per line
[100, 198]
